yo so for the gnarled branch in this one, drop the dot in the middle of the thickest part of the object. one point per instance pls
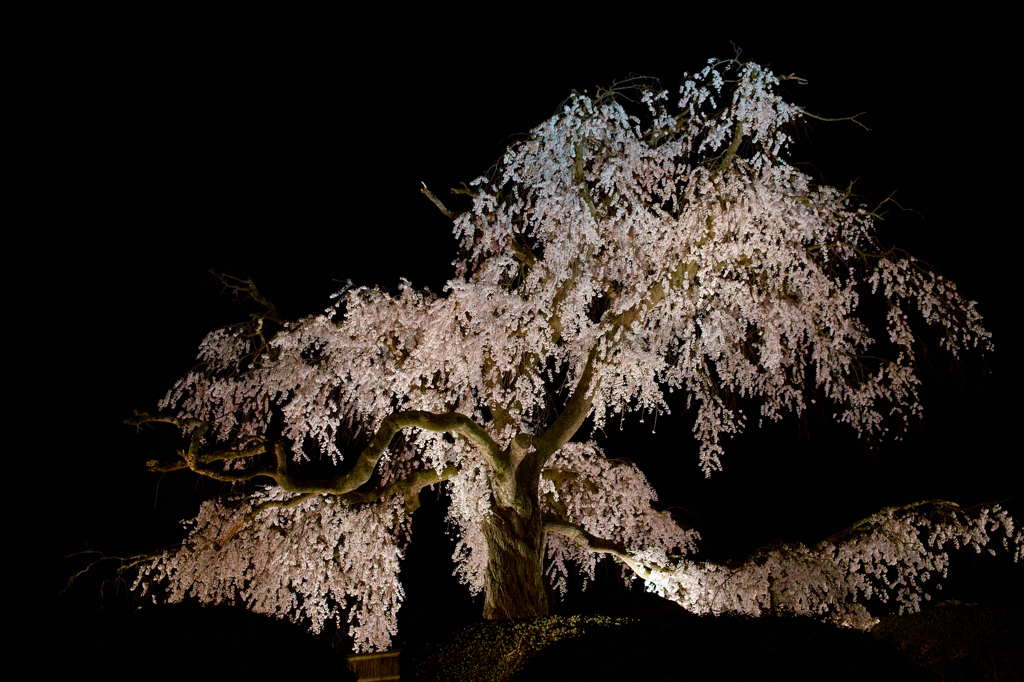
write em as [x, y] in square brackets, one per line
[452, 422]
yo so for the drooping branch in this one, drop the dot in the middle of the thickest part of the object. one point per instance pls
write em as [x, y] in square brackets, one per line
[585, 540]
[127, 563]
[258, 509]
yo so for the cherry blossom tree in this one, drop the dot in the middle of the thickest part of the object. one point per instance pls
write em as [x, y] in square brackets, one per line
[638, 242]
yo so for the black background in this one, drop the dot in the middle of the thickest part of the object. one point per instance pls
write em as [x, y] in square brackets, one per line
[291, 149]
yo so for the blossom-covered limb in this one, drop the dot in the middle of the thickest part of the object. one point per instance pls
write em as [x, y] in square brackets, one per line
[942, 506]
[611, 503]
[892, 555]
[279, 504]
[947, 521]
[589, 542]
[592, 543]
[266, 505]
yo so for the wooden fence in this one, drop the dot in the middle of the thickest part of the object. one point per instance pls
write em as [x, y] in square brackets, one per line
[377, 667]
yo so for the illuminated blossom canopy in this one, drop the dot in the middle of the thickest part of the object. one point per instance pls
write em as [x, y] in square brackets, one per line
[638, 242]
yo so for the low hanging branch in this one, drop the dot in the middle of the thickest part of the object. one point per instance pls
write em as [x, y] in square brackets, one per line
[834, 576]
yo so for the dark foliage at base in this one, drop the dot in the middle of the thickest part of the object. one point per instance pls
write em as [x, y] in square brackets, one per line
[636, 638]
[723, 648]
[960, 641]
[946, 643]
[497, 650]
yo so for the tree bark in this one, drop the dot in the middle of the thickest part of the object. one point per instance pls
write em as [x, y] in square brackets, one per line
[515, 585]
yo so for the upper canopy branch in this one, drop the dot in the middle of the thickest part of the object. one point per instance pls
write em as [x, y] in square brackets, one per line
[578, 406]
[246, 288]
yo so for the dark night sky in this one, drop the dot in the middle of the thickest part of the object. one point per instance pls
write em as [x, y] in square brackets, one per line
[294, 155]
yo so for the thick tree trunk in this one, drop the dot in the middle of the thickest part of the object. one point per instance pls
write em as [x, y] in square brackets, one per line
[515, 568]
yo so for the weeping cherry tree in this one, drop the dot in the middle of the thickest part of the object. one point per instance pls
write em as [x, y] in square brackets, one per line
[607, 259]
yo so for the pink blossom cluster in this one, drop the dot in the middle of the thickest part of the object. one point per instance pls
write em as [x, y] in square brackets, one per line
[889, 555]
[311, 562]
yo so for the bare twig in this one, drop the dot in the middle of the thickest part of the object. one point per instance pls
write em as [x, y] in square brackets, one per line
[437, 202]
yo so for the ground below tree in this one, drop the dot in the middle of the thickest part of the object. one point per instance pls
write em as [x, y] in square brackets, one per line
[635, 638]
